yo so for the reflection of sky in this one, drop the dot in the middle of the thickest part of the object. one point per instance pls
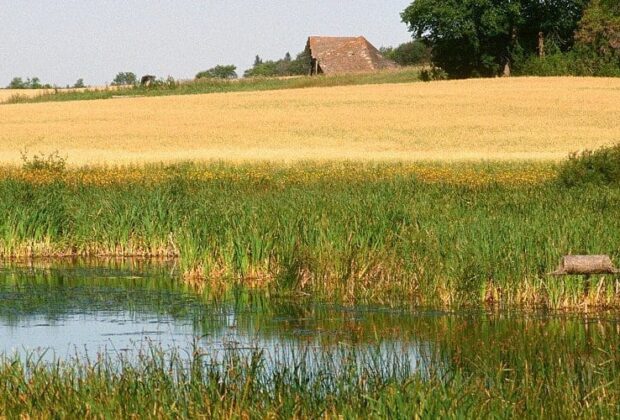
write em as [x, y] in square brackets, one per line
[94, 332]
[67, 312]
[127, 334]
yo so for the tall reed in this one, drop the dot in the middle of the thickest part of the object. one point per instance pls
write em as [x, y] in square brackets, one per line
[161, 384]
[352, 232]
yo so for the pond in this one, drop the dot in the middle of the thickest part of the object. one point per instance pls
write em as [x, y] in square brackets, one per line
[69, 309]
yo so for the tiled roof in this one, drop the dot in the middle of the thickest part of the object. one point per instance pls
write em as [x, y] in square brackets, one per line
[347, 55]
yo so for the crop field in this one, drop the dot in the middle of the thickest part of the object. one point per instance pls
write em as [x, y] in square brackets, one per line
[501, 119]
[5, 94]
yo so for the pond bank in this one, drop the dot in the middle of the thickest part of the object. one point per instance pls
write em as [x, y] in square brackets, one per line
[428, 235]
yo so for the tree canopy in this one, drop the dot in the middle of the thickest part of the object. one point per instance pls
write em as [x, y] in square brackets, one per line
[219, 72]
[125, 78]
[29, 83]
[483, 37]
[599, 29]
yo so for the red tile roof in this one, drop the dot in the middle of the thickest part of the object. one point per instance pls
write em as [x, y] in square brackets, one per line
[338, 55]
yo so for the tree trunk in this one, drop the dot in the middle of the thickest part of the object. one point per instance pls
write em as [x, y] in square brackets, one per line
[586, 265]
[507, 72]
[541, 45]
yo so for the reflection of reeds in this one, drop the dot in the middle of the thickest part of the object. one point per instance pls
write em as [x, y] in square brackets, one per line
[426, 234]
[341, 382]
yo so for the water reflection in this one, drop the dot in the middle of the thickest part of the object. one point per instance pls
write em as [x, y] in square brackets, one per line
[120, 307]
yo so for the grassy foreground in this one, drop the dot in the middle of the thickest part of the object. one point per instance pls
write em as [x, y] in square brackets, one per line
[424, 234]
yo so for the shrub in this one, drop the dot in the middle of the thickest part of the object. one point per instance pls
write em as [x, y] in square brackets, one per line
[581, 61]
[51, 163]
[428, 75]
[601, 166]
[409, 54]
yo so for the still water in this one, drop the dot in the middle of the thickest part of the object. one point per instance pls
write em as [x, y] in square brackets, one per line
[67, 309]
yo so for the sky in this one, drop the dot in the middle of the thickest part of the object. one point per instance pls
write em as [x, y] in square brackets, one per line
[60, 41]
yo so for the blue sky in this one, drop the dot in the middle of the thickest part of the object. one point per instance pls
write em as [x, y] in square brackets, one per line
[60, 41]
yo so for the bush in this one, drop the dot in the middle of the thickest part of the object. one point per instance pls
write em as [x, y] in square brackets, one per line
[601, 166]
[409, 54]
[579, 62]
[428, 75]
[51, 163]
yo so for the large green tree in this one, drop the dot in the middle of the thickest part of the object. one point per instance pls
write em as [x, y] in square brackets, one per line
[484, 37]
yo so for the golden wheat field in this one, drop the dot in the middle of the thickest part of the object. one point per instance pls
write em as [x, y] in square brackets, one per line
[7, 93]
[499, 119]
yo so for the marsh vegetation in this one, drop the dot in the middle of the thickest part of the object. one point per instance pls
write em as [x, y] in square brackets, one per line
[250, 356]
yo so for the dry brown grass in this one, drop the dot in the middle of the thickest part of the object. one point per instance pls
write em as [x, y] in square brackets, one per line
[506, 119]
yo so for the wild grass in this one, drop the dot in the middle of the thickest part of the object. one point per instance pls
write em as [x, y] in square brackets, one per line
[503, 119]
[461, 234]
[205, 86]
[577, 385]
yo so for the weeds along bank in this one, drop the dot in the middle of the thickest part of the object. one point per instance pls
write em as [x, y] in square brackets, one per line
[426, 234]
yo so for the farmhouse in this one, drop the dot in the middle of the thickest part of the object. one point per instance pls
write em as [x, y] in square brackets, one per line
[338, 55]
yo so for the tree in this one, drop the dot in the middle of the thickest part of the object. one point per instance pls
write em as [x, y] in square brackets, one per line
[17, 83]
[125, 78]
[555, 20]
[34, 83]
[79, 84]
[409, 54]
[484, 37]
[300, 66]
[264, 69]
[599, 29]
[219, 72]
[283, 67]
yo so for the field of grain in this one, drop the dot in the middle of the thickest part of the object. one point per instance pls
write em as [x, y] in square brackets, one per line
[501, 119]
[8, 93]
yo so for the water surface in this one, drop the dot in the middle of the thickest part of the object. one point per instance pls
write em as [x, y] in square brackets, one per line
[80, 308]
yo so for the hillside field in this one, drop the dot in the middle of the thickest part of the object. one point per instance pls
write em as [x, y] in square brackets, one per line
[499, 119]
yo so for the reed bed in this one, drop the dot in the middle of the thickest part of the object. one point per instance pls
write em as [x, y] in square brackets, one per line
[424, 234]
[164, 385]
[505, 119]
